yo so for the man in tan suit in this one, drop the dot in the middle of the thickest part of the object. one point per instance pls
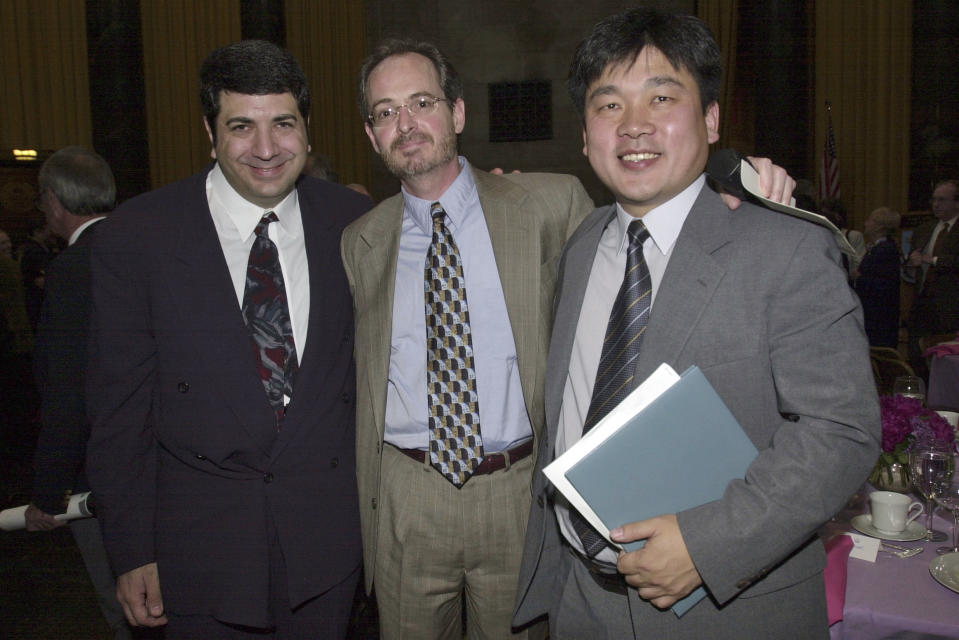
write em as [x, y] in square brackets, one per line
[432, 534]
[426, 540]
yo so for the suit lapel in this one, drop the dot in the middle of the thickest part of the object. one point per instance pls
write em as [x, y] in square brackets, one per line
[375, 283]
[210, 314]
[688, 284]
[322, 246]
[571, 289]
[517, 252]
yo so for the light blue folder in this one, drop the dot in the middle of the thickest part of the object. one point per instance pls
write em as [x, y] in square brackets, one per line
[678, 453]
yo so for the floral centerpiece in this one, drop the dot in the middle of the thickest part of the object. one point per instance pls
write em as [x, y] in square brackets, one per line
[905, 423]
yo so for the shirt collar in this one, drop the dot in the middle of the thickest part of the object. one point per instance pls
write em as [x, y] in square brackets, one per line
[76, 232]
[455, 200]
[665, 221]
[243, 214]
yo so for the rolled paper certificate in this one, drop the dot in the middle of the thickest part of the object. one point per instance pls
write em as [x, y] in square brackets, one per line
[80, 506]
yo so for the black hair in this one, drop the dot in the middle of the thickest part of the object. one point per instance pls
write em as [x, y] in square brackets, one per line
[251, 67]
[683, 39]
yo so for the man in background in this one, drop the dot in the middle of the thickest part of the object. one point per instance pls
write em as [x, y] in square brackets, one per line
[77, 190]
[934, 263]
[756, 299]
[220, 384]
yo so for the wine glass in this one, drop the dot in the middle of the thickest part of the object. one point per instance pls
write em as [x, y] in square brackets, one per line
[931, 466]
[910, 387]
[949, 498]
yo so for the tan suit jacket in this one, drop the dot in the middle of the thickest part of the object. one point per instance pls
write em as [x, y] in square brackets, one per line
[529, 217]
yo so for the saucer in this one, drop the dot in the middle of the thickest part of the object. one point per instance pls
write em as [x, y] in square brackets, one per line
[945, 569]
[913, 531]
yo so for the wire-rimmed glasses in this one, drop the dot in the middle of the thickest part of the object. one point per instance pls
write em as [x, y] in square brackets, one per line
[420, 106]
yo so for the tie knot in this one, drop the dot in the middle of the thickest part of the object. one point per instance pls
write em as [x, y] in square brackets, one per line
[637, 233]
[438, 215]
[264, 222]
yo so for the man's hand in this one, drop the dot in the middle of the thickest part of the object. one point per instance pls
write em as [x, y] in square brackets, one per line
[138, 591]
[38, 520]
[662, 570]
[917, 258]
[775, 183]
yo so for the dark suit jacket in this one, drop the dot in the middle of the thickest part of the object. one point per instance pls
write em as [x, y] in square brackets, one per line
[59, 364]
[936, 307]
[186, 464]
[759, 302]
[878, 289]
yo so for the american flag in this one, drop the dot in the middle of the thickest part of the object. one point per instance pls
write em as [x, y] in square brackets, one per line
[829, 175]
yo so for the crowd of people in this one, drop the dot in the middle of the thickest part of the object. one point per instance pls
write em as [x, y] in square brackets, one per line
[277, 389]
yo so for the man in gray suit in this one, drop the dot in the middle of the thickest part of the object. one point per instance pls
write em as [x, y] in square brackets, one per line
[757, 300]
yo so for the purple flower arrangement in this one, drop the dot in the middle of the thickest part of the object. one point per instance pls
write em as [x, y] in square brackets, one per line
[906, 422]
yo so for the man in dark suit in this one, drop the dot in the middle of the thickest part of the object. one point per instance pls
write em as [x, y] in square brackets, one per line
[757, 300]
[77, 189]
[221, 386]
[876, 280]
[934, 263]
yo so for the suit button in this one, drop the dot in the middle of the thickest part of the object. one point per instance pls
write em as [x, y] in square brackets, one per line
[200, 456]
[346, 398]
[334, 463]
[539, 501]
[268, 478]
[183, 387]
[373, 503]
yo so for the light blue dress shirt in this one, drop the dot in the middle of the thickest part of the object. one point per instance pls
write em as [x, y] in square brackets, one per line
[503, 418]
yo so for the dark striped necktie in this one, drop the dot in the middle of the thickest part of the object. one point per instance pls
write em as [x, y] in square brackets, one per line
[624, 335]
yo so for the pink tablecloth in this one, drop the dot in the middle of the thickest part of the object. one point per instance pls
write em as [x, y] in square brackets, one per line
[898, 598]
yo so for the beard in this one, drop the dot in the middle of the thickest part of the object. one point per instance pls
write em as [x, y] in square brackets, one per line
[406, 168]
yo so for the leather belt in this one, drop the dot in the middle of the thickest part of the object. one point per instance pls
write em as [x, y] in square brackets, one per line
[613, 582]
[491, 461]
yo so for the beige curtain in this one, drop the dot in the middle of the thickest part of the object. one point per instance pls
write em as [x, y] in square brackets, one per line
[328, 37]
[177, 36]
[46, 94]
[863, 67]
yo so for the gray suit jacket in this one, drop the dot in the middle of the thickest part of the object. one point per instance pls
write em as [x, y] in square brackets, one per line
[529, 217]
[759, 302]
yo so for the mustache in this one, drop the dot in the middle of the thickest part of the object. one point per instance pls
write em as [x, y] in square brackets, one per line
[415, 136]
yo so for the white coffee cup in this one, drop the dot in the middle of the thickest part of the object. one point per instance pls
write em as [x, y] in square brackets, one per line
[891, 511]
[951, 417]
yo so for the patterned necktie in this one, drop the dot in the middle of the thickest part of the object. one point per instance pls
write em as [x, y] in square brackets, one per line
[624, 335]
[267, 316]
[456, 447]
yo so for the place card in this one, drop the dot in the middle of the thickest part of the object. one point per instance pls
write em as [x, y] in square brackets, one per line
[864, 547]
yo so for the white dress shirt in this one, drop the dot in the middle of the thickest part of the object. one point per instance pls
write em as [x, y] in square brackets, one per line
[605, 278]
[235, 219]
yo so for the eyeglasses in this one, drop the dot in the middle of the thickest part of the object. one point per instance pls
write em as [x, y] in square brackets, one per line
[422, 106]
